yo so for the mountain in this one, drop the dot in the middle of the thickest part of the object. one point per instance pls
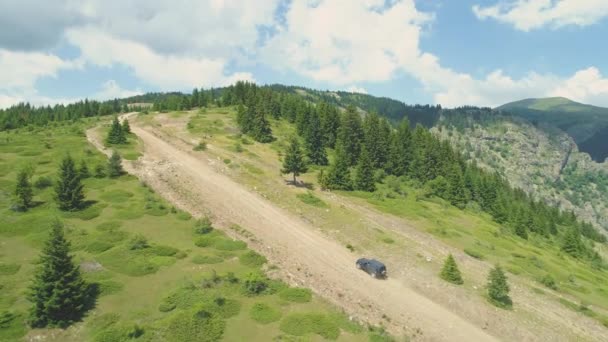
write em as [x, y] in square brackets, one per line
[586, 124]
[538, 158]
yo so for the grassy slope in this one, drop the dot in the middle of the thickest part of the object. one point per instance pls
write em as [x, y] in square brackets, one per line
[470, 230]
[135, 283]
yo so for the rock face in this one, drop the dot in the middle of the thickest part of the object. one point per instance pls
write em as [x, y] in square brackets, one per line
[541, 160]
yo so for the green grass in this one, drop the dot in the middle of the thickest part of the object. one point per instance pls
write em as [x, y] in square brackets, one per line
[153, 293]
[298, 295]
[264, 314]
[302, 324]
[310, 199]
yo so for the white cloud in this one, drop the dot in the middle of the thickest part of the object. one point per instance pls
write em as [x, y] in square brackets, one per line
[587, 86]
[22, 69]
[168, 72]
[356, 89]
[527, 15]
[112, 90]
[345, 41]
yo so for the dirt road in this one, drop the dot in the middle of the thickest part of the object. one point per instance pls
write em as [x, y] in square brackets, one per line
[305, 254]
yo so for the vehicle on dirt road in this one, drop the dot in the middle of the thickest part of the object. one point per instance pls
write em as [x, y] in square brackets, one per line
[373, 267]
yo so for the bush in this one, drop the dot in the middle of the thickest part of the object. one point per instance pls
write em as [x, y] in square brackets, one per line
[202, 146]
[98, 247]
[224, 244]
[549, 282]
[298, 295]
[252, 259]
[166, 306]
[473, 253]
[195, 325]
[119, 333]
[255, 284]
[43, 182]
[9, 269]
[204, 241]
[264, 314]
[203, 226]
[138, 242]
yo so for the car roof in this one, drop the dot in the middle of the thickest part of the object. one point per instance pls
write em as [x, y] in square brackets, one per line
[373, 262]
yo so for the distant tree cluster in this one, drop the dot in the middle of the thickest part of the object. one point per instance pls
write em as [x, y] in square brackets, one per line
[25, 114]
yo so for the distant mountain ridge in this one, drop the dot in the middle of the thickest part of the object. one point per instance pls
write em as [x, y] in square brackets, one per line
[586, 124]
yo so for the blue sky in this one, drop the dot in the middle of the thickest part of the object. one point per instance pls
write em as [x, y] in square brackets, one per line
[477, 52]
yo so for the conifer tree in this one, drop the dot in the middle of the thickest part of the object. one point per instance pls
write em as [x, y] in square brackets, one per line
[294, 162]
[350, 135]
[115, 165]
[457, 190]
[572, 243]
[330, 122]
[69, 190]
[498, 289]
[23, 190]
[83, 171]
[116, 134]
[450, 271]
[58, 293]
[314, 140]
[400, 151]
[126, 128]
[364, 177]
[520, 224]
[261, 130]
[338, 177]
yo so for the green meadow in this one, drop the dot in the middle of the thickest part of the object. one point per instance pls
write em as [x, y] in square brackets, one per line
[157, 277]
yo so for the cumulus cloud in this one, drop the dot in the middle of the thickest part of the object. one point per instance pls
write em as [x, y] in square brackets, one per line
[526, 15]
[112, 90]
[29, 25]
[168, 72]
[345, 41]
[356, 89]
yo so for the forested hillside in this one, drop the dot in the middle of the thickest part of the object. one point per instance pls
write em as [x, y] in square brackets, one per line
[541, 159]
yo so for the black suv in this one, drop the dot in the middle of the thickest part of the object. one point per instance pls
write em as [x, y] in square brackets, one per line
[373, 267]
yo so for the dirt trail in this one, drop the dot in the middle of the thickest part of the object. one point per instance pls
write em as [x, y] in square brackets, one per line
[308, 257]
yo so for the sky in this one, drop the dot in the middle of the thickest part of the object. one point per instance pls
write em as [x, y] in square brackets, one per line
[448, 52]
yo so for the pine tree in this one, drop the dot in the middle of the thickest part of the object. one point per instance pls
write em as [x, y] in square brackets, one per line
[400, 151]
[498, 289]
[520, 224]
[126, 128]
[450, 271]
[364, 177]
[115, 165]
[314, 140]
[330, 122]
[338, 177]
[350, 135]
[294, 159]
[116, 134]
[23, 190]
[83, 171]
[457, 191]
[59, 294]
[572, 243]
[69, 190]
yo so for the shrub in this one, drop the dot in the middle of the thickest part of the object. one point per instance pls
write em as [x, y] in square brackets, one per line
[166, 306]
[119, 333]
[138, 242]
[264, 314]
[203, 226]
[473, 253]
[202, 146]
[204, 241]
[252, 259]
[98, 247]
[224, 244]
[255, 284]
[549, 282]
[298, 295]
[9, 269]
[161, 250]
[43, 182]
[195, 325]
